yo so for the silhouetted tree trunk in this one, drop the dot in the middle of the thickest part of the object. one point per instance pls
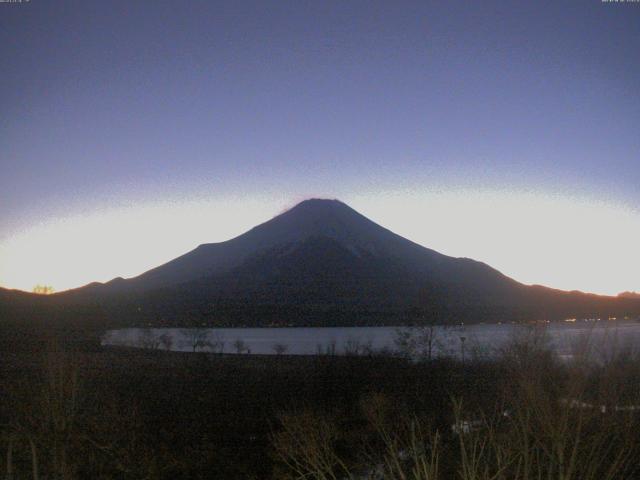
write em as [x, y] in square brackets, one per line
[9, 475]
[60, 403]
[34, 459]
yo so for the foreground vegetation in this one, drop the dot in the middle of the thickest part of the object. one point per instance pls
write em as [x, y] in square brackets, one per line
[113, 413]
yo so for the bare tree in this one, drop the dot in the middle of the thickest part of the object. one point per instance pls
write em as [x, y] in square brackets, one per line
[147, 338]
[240, 346]
[43, 289]
[420, 342]
[280, 348]
[217, 344]
[196, 338]
[166, 340]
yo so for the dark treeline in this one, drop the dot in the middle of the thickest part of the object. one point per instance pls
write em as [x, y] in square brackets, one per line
[171, 308]
[203, 304]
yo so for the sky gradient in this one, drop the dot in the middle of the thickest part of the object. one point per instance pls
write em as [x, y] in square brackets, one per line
[509, 132]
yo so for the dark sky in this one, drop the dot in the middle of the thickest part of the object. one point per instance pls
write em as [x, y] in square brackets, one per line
[108, 103]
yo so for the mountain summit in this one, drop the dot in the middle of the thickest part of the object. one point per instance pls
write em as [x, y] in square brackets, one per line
[323, 262]
[312, 218]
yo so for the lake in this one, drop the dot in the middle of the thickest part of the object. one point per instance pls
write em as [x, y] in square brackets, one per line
[468, 340]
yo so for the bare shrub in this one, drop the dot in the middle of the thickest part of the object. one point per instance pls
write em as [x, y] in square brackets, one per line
[327, 350]
[554, 420]
[125, 452]
[306, 444]
[354, 347]
[280, 348]
[43, 417]
[402, 446]
[556, 428]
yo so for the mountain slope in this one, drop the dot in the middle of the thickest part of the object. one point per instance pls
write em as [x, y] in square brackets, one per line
[323, 263]
[314, 218]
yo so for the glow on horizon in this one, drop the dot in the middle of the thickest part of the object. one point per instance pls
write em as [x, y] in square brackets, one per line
[123, 242]
[535, 238]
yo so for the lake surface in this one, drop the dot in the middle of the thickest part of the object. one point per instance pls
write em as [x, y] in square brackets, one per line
[472, 340]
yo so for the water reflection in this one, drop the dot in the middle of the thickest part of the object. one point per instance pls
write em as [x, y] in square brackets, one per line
[472, 341]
